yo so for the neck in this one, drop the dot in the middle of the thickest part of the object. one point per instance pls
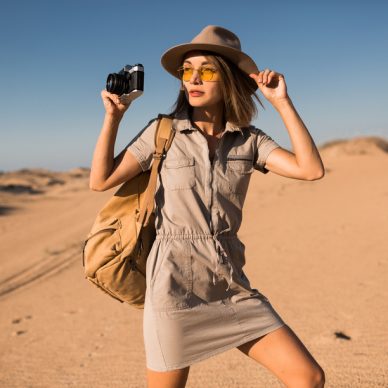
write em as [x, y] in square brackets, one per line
[208, 120]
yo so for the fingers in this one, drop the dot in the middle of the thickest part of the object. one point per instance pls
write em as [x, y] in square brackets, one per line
[265, 77]
[126, 99]
[106, 100]
[115, 102]
[110, 97]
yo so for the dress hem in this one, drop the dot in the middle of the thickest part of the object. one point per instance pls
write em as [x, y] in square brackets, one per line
[232, 345]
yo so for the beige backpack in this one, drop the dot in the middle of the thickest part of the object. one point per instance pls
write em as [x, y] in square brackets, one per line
[116, 249]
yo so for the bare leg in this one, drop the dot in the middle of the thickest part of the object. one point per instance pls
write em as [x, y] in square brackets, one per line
[172, 379]
[282, 352]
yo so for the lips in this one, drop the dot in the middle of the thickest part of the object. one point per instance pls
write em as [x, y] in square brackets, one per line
[196, 93]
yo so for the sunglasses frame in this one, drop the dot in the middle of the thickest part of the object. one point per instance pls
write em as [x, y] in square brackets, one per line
[215, 72]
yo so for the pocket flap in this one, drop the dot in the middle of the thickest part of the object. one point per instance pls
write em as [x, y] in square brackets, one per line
[247, 158]
[240, 163]
[178, 163]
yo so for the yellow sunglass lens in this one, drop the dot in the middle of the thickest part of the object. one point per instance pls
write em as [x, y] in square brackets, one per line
[205, 73]
[187, 73]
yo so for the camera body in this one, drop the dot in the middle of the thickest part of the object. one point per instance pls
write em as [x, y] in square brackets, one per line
[129, 80]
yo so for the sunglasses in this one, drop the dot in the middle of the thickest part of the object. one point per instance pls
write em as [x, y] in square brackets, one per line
[206, 73]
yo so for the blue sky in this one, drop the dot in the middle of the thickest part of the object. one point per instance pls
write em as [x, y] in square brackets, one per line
[55, 56]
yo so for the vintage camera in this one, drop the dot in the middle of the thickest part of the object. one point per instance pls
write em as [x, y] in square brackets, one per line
[129, 80]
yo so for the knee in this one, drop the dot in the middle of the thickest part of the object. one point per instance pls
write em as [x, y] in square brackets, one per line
[317, 377]
[314, 377]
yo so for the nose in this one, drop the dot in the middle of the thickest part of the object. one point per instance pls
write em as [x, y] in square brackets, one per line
[195, 78]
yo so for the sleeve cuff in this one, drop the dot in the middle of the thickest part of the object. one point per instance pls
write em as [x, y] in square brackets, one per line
[139, 157]
[263, 155]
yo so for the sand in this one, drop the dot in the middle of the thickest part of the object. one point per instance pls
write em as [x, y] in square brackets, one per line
[318, 250]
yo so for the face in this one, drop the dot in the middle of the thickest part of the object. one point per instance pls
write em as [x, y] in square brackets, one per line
[201, 93]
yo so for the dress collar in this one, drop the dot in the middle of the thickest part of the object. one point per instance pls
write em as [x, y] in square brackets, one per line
[182, 123]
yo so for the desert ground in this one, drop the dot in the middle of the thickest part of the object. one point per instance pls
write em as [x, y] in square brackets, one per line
[318, 250]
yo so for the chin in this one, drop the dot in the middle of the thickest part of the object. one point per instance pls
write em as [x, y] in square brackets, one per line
[198, 104]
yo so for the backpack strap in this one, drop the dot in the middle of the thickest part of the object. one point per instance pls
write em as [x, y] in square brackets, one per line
[163, 138]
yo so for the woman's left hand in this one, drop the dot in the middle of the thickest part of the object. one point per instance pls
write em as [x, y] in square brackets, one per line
[271, 84]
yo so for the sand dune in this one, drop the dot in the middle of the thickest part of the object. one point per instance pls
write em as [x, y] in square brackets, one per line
[356, 146]
[317, 250]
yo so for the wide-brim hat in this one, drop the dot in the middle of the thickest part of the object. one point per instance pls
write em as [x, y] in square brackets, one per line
[217, 40]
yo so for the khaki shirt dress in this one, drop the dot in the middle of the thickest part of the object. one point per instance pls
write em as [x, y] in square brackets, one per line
[198, 301]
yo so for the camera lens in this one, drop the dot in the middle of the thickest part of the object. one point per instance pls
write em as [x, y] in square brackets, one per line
[116, 84]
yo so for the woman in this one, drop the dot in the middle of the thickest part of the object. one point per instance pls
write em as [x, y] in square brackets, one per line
[199, 301]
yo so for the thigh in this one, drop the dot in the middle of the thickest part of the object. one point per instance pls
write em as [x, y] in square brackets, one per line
[282, 352]
[172, 379]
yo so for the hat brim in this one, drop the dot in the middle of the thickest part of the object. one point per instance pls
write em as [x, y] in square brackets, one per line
[172, 59]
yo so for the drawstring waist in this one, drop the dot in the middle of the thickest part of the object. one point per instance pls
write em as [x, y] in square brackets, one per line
[222, 256]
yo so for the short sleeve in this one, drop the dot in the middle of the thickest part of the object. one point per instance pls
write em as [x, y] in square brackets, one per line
[264, 145]
[143, 145]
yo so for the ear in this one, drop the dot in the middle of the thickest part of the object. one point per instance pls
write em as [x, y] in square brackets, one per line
[182, 87]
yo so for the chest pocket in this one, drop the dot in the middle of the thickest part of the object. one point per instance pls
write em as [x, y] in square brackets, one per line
[238, 172]
[179, 174]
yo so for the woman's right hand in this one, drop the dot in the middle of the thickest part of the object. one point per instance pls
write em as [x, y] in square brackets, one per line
[113, 104]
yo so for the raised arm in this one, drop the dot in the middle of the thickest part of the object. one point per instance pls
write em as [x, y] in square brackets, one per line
[304, 162]
[107, 171]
